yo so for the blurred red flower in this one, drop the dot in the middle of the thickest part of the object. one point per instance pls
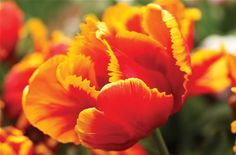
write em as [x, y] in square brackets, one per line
[11, 19]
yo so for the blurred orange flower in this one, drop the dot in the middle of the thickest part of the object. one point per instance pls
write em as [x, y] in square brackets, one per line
[212, 71]
[10, 25]
[70, 99]
[13, 142]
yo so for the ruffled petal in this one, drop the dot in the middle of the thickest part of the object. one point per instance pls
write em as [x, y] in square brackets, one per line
[166, 25]
[76, 65]
[88, 45]
[50, 107]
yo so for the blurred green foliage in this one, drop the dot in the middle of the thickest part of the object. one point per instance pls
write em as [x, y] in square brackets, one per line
[43, 9]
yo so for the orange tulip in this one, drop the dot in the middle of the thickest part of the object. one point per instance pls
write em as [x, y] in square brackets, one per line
[70, 99]
[10, 24]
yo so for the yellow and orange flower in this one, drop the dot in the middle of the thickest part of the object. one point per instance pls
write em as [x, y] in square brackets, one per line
[212, 71]
[13, 142]
[10, 25]
[113, 88]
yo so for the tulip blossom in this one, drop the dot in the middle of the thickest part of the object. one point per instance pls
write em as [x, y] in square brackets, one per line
[10, 24]
[213, 66]
[113, 88]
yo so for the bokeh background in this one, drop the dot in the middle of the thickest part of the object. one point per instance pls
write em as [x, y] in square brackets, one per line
[202, 127]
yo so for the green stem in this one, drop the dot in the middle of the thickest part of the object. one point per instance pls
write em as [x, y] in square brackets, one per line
[160, 143]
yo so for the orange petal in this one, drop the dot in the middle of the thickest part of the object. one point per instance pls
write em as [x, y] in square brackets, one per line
[50, 107]
[204, 78]
[117, 101]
